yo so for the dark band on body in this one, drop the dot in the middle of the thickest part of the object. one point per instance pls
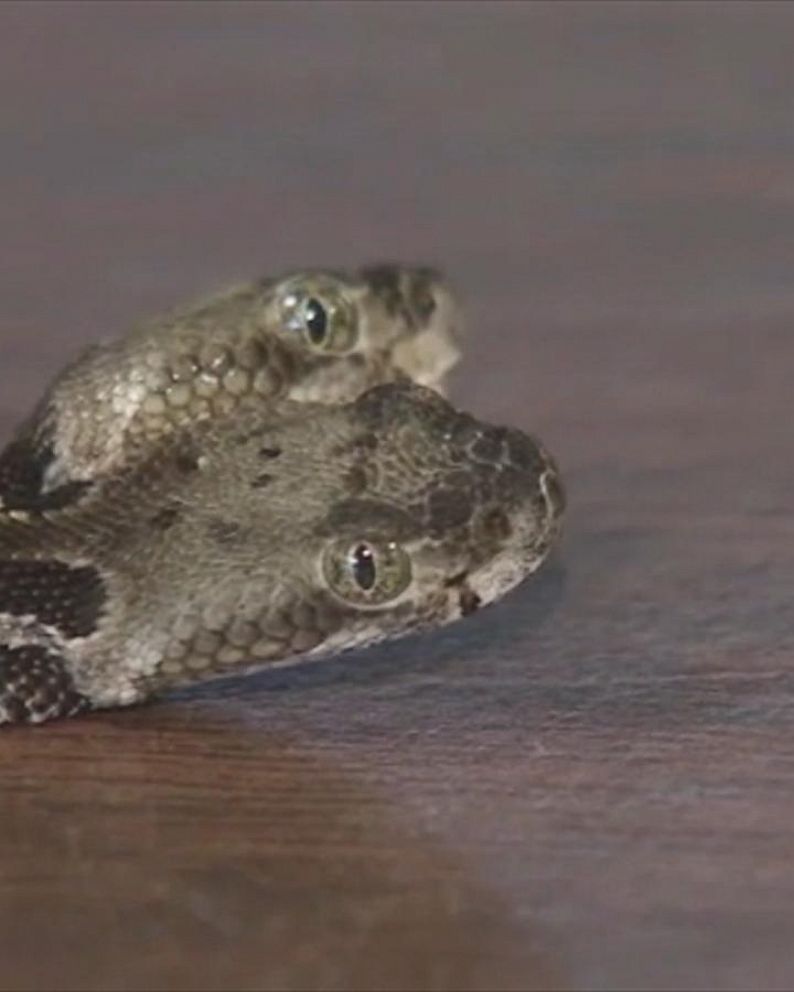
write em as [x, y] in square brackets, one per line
[23, 464]
[67, 597]
[35, 685]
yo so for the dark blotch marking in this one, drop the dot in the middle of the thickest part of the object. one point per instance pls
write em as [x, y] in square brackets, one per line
[423, 301]
[23, 464]
[56, 499]
[497, 525]
[224, 531]
[35, 685]
[461, 479]
[367, 442]
[186, 462]
[392, 404]
[376, 405]
[513, 481]
[270, 452]
[362, 516]
[262, 480]
[524, 452]
[68, 597]
[488, 447]
[384, 281]
[186, 454]
[465, 431]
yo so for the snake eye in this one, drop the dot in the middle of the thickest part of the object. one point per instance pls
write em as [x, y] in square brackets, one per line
[367, 573]
[323, 316]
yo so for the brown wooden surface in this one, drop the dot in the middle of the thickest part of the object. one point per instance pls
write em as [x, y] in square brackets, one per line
[587, 786]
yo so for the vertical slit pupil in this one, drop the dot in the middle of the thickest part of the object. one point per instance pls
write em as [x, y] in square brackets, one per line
[316, 321]
[363, 562]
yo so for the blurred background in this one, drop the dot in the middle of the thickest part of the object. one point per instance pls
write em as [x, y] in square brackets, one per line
[588, 786]
[617, 165]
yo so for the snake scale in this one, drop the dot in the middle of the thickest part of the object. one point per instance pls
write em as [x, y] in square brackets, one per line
[268, 475]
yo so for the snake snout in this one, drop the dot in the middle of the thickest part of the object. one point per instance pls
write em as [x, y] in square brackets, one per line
[430, 300]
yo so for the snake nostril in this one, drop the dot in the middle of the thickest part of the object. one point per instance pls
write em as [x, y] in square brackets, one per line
[469, 601]
[422, 292]
[424, 304]
[489, 445]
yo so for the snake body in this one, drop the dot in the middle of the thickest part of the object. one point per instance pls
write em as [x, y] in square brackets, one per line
[263, 533]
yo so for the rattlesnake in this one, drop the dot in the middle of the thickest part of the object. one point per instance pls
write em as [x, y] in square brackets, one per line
[311, 336]
[261, 533]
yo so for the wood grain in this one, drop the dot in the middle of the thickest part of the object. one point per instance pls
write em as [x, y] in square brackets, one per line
[586, 786]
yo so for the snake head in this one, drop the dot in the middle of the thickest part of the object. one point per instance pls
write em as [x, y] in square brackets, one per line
[444, 513]
[339, 526]
[277, 534]
[350, 331]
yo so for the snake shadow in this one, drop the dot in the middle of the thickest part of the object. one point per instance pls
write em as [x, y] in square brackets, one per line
[499, 631]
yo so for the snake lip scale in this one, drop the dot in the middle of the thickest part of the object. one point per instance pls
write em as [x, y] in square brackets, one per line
[343, 504]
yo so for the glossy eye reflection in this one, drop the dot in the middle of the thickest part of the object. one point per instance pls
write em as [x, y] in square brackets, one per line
[323, 316]
[367, 573]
